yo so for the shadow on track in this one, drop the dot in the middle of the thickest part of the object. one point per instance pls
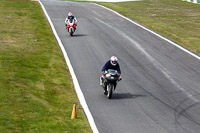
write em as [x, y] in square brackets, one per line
[79, 35]
[126, 96]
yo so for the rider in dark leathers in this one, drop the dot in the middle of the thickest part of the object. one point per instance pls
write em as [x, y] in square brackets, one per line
[111, 64]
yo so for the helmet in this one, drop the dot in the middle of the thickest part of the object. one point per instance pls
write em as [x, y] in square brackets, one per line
[113, 60]
[69, 14]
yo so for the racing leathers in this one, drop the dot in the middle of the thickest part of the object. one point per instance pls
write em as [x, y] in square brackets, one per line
[70, 18]
[107, 66]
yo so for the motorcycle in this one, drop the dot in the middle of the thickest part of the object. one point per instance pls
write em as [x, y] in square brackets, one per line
[109, 82]
[71, 26]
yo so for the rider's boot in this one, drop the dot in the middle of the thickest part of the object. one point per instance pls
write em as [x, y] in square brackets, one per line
[101, 81]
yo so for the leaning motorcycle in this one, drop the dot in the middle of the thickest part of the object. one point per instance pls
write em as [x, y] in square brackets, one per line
[109, 82]
[71, 26]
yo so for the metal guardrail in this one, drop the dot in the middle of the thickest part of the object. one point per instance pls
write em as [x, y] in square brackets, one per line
[193, 1]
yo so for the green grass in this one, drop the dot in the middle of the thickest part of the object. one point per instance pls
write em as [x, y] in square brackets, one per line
[176, 20]
[36, 89]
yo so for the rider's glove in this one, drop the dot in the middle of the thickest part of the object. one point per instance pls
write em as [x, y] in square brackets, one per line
[120, 78]
[103, 74]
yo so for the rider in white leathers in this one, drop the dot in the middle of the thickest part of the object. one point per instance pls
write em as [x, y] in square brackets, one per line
[70, 16]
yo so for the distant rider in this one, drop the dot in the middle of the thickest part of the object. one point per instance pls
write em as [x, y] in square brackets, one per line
[70, 17]
[111, 64]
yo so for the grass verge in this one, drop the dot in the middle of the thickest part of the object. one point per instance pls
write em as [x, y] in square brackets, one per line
[36, 89]
[176, 20]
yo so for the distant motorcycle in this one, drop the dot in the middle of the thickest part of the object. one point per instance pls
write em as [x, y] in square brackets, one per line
[71, 26]
[109, 82]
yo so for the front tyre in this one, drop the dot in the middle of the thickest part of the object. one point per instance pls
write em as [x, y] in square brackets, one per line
[71, 33]
[110, 90]
[105, 89]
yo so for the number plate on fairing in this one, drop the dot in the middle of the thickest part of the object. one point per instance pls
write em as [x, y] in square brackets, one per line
[108, 75]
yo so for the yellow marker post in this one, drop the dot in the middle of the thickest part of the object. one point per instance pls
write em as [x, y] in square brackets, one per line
[73, 112]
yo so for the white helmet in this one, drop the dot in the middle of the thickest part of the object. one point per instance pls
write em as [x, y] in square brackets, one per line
[113, 60]
[69, 14]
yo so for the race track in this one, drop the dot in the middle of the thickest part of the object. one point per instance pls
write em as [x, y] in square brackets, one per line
[160, 90]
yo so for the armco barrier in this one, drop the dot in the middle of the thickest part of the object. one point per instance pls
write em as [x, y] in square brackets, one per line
[193, 1]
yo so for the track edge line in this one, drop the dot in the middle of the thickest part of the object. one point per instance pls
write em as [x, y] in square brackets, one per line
[75, 81]
[164, 38]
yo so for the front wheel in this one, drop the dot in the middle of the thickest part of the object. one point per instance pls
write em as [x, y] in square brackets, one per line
[71, 33]
[110, 88]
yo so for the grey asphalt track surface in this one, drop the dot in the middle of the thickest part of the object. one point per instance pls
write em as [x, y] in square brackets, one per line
[160, 90]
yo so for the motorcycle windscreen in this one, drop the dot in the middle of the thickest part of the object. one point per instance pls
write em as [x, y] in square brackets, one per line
[112, 71]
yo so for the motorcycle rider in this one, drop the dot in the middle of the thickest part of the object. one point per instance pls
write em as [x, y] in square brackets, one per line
[70, 17]
[110, 64]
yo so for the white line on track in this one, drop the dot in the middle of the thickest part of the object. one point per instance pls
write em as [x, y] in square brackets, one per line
[154, 61]
[164, 70]
[198, 57]
[75, 81]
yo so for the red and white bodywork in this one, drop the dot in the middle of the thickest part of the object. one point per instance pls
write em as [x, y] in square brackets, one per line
[71, 26]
